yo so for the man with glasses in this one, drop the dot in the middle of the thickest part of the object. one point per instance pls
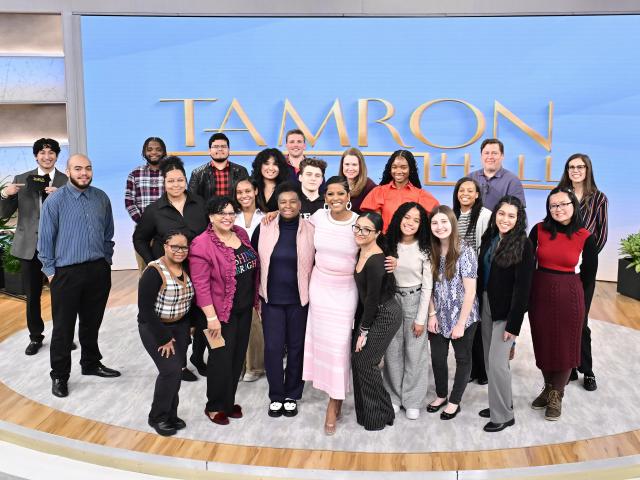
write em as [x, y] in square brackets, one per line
[495, 181]
[216, 177]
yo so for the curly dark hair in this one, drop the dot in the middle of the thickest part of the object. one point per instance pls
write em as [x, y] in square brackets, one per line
[509, 251]
[394, 233]
[551, 226]
[414, 178]
[256, 172]
[475, 209]
[216, 204]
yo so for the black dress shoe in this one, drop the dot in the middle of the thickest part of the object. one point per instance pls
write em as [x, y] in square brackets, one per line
[59, 387]
[33, 348]
[485, 413]
[450, 416]
[164, 428]
[496, 427]
[435, 408]
[178, 423]
[101, 371]
[188, 375]
[590, 383]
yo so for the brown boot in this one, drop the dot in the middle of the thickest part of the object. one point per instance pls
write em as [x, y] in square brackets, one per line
[542, 400]
[554, 408]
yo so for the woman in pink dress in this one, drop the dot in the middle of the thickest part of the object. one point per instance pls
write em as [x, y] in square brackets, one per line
[333, 298]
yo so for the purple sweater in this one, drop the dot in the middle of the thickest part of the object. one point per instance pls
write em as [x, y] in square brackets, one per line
[212, 267]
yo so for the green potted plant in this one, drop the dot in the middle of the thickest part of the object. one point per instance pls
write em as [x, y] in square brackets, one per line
[629, 266]
[11, 277]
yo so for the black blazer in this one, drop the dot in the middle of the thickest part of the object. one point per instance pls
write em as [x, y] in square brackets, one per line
[160, 217]
[507, 288]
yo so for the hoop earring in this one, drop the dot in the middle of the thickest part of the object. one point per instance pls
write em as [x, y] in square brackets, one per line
[349, 205]
[326, 206]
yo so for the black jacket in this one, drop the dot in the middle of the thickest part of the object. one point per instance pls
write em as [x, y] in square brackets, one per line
[160, 217]
[507, 288]
[202, 182]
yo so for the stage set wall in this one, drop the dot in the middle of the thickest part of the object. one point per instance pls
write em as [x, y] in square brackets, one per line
[572, 75]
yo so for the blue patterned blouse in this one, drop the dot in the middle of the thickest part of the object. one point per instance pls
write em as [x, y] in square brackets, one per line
[448, 295]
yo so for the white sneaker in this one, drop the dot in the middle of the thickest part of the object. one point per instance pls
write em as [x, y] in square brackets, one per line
[251, 377]
[413, 413]
[396, 408]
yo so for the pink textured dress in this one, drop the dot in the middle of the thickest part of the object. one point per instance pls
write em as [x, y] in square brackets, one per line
[333, 298]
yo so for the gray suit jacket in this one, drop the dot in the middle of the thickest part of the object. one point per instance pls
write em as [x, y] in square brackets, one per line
[28, 205]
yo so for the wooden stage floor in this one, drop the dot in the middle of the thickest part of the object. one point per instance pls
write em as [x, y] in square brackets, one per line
[19, 410]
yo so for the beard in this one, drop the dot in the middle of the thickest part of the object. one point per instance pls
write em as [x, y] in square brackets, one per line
[220, 160]
[75, 183]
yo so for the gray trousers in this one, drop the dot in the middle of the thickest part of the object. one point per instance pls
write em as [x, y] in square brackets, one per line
[406, 362]
[496, 359]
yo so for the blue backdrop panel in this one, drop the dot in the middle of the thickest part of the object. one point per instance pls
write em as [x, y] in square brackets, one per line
[586, 66]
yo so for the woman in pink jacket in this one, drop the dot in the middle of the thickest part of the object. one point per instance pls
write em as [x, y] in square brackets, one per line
[286, 251]
[225, 271]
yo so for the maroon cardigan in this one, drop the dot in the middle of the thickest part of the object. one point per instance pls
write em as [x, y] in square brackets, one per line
[212, 266]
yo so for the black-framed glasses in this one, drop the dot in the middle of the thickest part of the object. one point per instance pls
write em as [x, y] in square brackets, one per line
[178, 248]
[364, 231]
[558, 206]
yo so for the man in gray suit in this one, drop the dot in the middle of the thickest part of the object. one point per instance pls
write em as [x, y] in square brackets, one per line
[26, 194]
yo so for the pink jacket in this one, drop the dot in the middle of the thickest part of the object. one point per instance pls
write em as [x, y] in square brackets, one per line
[212, 267]
[305, 249]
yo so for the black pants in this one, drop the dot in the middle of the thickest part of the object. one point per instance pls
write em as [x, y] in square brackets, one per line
[372, 401]
[225, 363]
[478, 369]
[80, 291]
[165, 395]
[199, 322]
[439, 352]
[284, 326]
[32, 278]
[586, 362]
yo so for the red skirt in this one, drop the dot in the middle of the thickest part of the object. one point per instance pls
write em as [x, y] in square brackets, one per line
[556, 315]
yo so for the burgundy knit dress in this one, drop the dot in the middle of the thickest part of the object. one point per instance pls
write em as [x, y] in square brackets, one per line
[557, 306]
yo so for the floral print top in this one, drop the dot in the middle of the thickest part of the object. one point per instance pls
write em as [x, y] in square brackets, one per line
[448, 295]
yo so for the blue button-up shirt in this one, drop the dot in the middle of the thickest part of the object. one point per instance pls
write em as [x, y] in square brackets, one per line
[76, 226]
[494, 188]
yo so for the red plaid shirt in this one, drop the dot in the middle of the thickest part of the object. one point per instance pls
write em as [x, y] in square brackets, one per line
[222, 180]
[143, 187]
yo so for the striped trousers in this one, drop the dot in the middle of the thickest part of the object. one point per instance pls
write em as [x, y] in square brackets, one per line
[372, 401]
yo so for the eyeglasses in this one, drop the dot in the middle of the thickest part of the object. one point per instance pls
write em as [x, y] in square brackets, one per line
[577, 167]
[364, 231]
[558, 206]
[226, 214]
[219, 147]
[177, 248]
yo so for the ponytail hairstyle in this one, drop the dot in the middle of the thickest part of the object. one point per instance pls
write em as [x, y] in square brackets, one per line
[389, 285]
[378, 224]
[174, 233]
[511, 246]
[453, 253]
[475, 208]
